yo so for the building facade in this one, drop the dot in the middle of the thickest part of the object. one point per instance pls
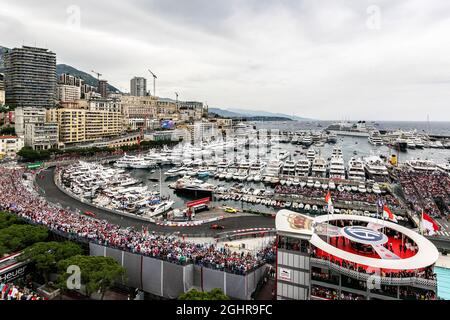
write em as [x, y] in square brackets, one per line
[139, 112]
[351, 257]
[103, 88]
[30, 77]
[138, 87]
[68, 93]
[2, 89]
[81, 125]
[10, 145]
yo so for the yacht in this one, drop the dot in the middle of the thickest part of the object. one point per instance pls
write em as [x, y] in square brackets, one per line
[175, 172]
[359, 129]
[302, 167]
[422, 165]
[375, 138]
[160, 208]
[376, 169]
[332, 137]
[188, 184]
[319, 167]
[242, 173]
[419, 143]
[337, 152]
[356, 169]
[272, 171]
[336, 168]
[288, 168]
[133, 162]
[410, 144]
[307, 140]
[311, 154]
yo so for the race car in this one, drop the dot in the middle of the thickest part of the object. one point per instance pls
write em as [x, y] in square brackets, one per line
[230, 210]
[216, 226]
[89, 213]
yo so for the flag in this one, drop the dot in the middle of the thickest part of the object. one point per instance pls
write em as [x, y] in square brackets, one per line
[429, 224]
[329, 203]
[388, 214]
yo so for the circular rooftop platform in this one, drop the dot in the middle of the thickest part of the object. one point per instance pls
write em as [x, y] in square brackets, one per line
[363, 231]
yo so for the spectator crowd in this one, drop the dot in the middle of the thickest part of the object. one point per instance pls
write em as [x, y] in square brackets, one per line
[424, 191]
[17, 198]
[10, 291]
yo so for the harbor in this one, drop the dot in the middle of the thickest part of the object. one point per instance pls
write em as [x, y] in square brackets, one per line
[256, 172]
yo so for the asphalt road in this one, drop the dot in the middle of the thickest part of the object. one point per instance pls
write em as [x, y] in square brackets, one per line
[54, 195]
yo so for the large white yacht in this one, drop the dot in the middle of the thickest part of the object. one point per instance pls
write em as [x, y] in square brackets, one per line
[356, 169]
[311, 154]
[375, 138]
[133, 162]
[376, 169]
[272, 171]
[422, 165]
[302, 168]
[319, 167]
[337, 168]
[288, 168]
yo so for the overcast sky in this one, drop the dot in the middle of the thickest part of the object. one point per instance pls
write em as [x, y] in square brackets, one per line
[359, 59]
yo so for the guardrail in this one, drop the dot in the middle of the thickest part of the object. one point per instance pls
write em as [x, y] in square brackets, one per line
[383, 280]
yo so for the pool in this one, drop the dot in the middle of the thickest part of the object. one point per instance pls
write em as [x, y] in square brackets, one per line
[443, 282]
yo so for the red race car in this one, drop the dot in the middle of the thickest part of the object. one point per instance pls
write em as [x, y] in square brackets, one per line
[89, 213]
[216, 226]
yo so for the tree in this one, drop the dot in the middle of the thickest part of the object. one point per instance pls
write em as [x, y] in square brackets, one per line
[46, 255]
[7, 219]
[18, 237]
[214, 294]
[97, 273]
[32, 155]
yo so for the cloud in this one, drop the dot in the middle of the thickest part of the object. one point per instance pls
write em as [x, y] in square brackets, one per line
[317, 59]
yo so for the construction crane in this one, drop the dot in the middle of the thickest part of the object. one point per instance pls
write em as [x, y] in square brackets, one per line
[97, 73]
[154, 81]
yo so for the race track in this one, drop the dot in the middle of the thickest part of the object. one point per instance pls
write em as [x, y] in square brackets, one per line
[53, 194]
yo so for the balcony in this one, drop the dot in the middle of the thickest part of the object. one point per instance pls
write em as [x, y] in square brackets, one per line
[411, 281]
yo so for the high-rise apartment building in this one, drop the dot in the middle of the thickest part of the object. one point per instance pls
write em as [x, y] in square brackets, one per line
[68, 93]
[138, 87]
[30, 77]
[103, 88]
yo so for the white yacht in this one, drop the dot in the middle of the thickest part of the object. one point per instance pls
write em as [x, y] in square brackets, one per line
[375, 138]
[422, 165]
[376, 169]
[288, 168]
[337, 152]
[302, 168]
[307, 140]
[272, 171]
[311, 154]
[175, 172]
[133, 162]
[410, 144]
[337, 168]
[356, 169]
[160, 208]
[319, 167]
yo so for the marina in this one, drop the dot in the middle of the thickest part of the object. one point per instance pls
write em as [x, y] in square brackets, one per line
[256, 175]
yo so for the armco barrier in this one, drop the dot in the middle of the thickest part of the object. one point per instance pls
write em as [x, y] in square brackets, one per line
[169, 280]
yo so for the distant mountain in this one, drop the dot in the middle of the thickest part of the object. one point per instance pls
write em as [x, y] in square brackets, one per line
[88, 79]
[236, 113]
[225, 113]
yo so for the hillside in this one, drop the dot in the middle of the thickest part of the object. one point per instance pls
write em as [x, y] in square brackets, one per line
[88, 79]
[242, 113]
